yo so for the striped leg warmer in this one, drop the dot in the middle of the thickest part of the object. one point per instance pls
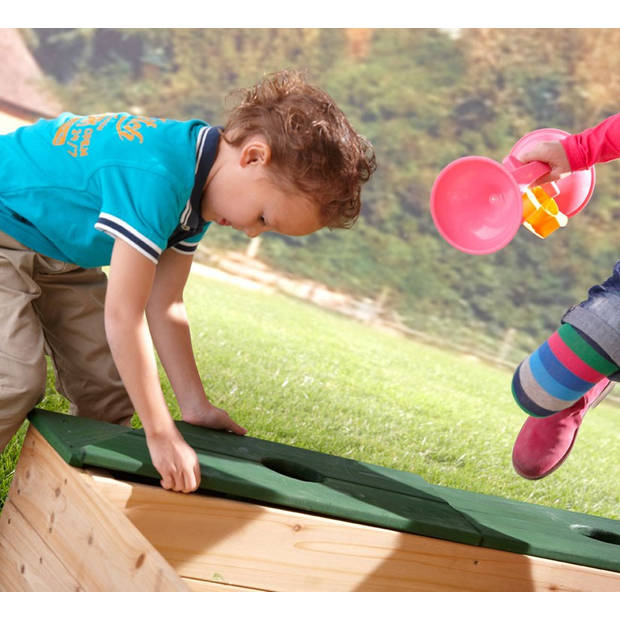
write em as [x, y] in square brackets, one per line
[560, 372]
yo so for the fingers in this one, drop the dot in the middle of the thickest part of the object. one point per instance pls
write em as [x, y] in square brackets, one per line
[214, 417]
[167, 482]
[179, 467]
[226, 423]
[535, 154]
[192, 478]
[182, 476]
[232, 426]
[551, 153]
[197, 475]
[175, 461]
[239, 430]
[186, 481]
[173, 481]
[548, 152]
[542, 154]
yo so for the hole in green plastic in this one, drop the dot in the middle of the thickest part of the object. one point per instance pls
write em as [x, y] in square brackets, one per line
[596, 533]
[292, 470]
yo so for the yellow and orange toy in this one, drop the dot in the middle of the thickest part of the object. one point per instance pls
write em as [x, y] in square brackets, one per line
[541, 214]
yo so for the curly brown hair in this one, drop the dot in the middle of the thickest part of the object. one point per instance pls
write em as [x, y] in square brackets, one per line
[312, 143]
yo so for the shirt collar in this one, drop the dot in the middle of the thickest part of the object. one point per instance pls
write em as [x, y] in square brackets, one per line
[206, 152]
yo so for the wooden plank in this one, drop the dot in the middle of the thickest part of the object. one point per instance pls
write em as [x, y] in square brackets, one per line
[96, 544]
[27, 564]
[270, 473]
[254, 546]
[198, 585]
[255, 470]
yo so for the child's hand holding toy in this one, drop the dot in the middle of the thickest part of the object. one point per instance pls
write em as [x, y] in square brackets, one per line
[551, 153]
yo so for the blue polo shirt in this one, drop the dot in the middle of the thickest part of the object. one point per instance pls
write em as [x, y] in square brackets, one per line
[72, 185]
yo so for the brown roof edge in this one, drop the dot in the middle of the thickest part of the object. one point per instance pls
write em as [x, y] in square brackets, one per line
[23, 87]
[26, 114]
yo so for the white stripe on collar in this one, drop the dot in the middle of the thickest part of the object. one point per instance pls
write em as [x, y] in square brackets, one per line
[200, 142]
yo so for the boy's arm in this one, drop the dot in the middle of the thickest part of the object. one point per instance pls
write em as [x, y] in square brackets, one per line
[169, 327]
[129, 287]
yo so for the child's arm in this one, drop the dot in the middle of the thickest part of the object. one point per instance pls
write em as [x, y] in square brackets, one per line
[595, 145]
[170, 330]
[580, 151]
[129, 287]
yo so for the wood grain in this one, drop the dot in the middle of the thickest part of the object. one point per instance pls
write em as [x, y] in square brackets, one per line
[252, 546]
[64, 528]
[62, 522]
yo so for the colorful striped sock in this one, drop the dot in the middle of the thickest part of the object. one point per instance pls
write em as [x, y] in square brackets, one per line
[560, 372]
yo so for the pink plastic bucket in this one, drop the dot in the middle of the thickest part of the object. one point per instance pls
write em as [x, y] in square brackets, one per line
[476, 203]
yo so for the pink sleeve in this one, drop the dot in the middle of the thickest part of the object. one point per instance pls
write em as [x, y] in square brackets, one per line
[593, 146]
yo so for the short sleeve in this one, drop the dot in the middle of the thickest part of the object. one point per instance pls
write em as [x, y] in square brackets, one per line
[138, 206]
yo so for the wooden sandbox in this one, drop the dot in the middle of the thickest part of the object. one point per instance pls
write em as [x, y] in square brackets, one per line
[85, 512]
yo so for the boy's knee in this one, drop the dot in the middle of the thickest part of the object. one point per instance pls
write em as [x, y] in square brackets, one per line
[111, 404]
[25, 389]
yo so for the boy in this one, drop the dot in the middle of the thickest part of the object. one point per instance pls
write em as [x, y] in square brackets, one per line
[138, 194]
[578, 365]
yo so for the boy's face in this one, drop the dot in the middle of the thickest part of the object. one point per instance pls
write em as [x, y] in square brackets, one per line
[243, 194]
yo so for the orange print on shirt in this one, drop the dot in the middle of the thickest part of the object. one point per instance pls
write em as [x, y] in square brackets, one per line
[77, 133]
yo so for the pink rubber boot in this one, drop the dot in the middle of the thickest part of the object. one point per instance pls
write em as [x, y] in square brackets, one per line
[544, 443]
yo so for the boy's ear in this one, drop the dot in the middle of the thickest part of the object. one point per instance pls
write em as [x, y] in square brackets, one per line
[255, 151]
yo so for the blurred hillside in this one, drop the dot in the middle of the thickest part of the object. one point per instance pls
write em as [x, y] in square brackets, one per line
[424, 98]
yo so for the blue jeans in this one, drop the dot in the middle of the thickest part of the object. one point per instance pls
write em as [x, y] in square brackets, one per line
[599, 316]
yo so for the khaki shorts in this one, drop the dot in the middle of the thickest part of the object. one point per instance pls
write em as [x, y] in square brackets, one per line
[49, 307]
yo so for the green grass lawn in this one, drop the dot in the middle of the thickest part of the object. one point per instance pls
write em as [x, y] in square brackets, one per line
[299, 375]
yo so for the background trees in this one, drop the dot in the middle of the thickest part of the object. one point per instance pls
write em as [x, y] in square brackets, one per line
[423, 97]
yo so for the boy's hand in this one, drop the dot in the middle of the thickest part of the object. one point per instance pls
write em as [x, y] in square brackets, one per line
[175, 460]
[213, 417]
[551, 153]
